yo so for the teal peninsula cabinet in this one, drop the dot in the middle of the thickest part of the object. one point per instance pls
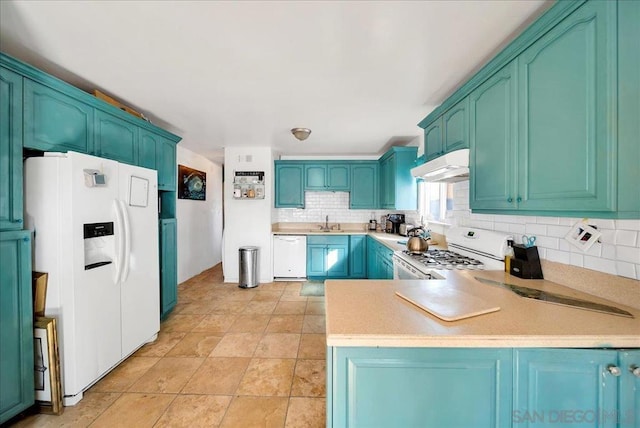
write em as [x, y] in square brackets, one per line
[39, 112]
[552, 119]
[389, 363]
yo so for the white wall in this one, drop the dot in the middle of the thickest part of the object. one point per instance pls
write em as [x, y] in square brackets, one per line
[618, 253]
[199, 222]
[247, 221]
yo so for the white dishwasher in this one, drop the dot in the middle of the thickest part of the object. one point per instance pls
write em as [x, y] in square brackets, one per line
[289, 257]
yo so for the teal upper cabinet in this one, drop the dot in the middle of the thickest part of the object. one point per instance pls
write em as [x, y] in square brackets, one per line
[289, 190]
[56, 122]
[364, 185]
[147, 149]
[433, 140]
[166, 164]
[16, 324]
[398, 188]
[493, 126]
[567, 87]
[449, 132]
[326, 176]
[10, 150]
[554, 150]
[455, 126]
[116, 138]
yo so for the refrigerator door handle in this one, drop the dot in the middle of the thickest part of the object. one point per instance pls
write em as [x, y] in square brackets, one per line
[127, 242]
[120, 245]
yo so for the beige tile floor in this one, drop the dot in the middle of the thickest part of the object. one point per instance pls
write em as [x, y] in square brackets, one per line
[225, 357]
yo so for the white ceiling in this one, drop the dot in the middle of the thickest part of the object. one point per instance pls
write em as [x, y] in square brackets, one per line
[360, 74]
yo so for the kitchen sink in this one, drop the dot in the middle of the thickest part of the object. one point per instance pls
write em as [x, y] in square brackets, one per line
[327, 231]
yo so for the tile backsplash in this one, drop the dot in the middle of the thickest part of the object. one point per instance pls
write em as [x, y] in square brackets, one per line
[318, 205]
[617, 253]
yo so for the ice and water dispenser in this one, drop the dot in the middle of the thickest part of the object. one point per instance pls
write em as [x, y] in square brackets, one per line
[99, 245]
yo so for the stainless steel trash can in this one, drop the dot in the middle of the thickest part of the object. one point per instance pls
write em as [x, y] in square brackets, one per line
[248, 267]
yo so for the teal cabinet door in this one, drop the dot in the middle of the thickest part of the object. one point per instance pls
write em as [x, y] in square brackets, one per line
[364, 186]
[56, 122]
[567, 99]
[357, 256]
[455, 124]
[387, 189]
[398, 188]
[11, 206]
[166, 164]
[315, 176]
[337, 260]
[327, 176]
[551, 381]
[147, 144]
[116, 138]
[420, 387]
[493, 124]
[289, 185]
[168, 266]
[372, 263]
[327, 257]
[629, 400]
[338, 176]
[316, 263]
[16, 324]
[433, 140]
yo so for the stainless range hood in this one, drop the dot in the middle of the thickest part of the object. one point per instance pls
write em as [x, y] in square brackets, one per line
[449, 168]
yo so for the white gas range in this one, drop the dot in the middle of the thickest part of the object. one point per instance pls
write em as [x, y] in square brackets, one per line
[468, 249]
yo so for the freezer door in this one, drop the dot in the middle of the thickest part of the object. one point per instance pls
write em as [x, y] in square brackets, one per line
[140, 276]
[90, 297]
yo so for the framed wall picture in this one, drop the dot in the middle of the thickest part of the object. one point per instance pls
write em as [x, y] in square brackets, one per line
[192, 184]
[47, 366]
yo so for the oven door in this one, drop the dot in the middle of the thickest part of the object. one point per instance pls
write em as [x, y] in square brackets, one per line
[403, 270]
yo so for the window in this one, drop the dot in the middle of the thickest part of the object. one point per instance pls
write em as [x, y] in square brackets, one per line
[434, 199]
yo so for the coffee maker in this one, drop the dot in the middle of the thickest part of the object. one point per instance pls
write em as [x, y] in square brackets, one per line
[393, 223]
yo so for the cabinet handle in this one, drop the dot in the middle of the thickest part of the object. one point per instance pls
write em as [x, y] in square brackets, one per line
[509, 200]
[614, 370]
[519, 199]
[18, 221]
[25, 239]
[635, 370]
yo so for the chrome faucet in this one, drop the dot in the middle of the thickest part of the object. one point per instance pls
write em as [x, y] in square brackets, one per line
[325, 227]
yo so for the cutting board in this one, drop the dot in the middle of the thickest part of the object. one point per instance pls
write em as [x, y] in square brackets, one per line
[446, 303]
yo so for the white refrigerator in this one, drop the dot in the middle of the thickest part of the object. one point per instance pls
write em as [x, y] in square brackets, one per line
[95, 224]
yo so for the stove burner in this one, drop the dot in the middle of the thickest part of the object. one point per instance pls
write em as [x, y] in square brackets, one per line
[444, 259]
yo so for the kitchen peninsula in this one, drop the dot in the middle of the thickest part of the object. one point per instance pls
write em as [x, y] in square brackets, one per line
[390, 363]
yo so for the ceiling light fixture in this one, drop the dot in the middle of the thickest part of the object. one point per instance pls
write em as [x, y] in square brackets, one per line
[301, 133]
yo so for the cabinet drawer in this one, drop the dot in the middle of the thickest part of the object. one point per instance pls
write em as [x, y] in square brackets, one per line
[327, 240]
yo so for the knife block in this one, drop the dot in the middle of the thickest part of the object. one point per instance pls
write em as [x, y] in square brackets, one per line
[526, 262]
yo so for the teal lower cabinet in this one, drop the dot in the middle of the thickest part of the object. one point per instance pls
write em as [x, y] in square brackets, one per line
[16, 324]
[587, 387]
[357, 256]
[168, 266]
[482, 387]
[327, 257]
[379, 260]
[629, 402]
[418, 387]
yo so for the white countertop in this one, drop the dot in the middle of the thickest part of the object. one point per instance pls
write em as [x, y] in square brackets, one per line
[368, 313]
